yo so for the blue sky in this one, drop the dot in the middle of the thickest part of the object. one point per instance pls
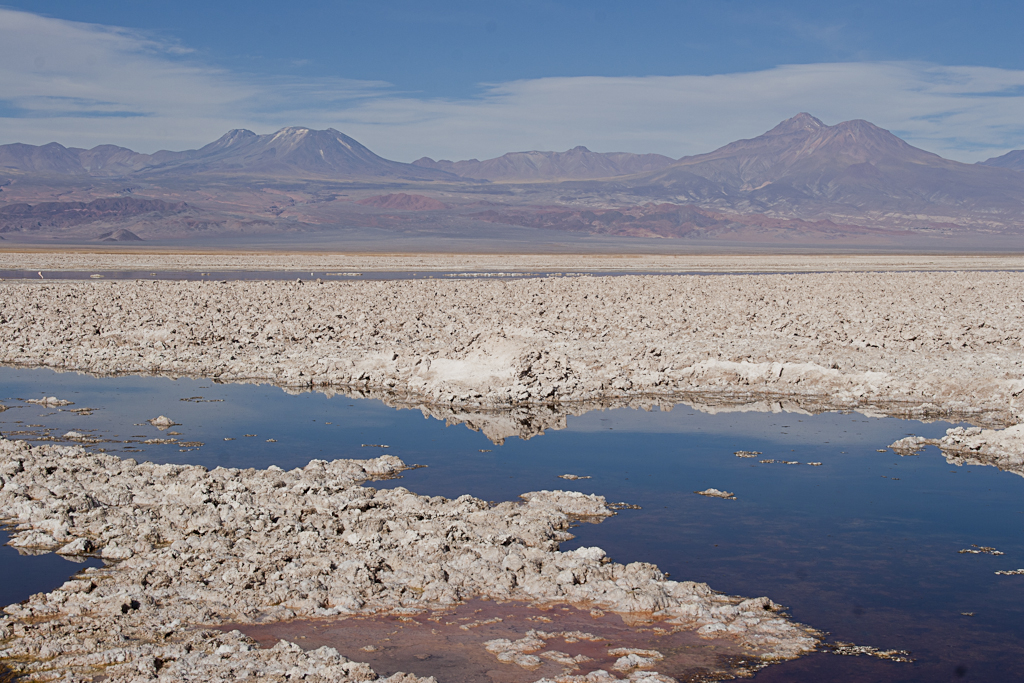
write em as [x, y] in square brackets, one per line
[465, 79]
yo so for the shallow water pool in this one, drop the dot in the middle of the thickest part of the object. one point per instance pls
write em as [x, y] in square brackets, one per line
[864, 546]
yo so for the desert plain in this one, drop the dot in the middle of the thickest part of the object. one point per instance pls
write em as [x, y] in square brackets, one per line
[190, 549]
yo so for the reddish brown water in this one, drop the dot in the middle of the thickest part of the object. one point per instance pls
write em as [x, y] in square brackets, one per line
[450, 644]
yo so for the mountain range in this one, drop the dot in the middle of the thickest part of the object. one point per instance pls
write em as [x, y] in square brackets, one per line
[853, 168]
[1014, 160]
[578, 163]
[294, 151]
[802, 180]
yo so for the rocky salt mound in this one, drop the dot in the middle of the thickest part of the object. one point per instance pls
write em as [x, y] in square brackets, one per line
[191, 548]
[49, 402]
[1002, 448]
[930, 342]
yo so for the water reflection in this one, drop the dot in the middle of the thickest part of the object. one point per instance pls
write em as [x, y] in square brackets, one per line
[24, 573]
[865, 546]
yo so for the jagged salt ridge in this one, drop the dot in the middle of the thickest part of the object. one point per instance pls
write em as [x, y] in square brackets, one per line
[192, 547]
[945, 341]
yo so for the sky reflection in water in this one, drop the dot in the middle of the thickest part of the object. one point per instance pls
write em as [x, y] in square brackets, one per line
[863, 546]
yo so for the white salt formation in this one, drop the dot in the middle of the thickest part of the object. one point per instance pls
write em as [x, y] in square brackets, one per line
[50, 402]
[191, 547]
[1002, 448]
[848, 339]
[715, 493]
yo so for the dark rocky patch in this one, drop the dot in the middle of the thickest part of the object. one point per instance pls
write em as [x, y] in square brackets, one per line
[24, 217]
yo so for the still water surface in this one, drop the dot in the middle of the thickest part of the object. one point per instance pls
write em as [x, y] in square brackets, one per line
[864, 546]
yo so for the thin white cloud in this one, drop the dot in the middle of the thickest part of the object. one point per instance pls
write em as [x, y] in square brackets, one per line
[966, 113]
[84, 84]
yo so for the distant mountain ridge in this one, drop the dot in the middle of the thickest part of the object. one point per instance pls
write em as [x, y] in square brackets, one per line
[293, 151]
[807, 166]
[800, 143]
[578, 163]
[802, 179]
[1013, 160]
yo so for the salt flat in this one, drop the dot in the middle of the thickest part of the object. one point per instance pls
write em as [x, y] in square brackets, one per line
[923, 343]
[22, 258]
[930, 342]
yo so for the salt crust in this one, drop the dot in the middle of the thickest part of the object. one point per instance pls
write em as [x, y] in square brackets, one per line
[923, 343]
[21, 257]
[190, 547]
[938, 343]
